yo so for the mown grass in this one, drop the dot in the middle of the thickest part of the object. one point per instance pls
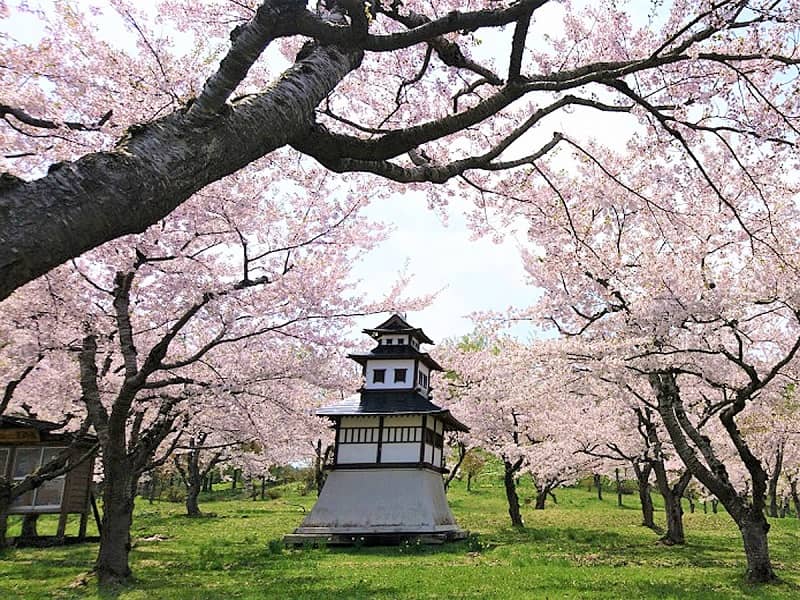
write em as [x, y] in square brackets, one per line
[579, 548]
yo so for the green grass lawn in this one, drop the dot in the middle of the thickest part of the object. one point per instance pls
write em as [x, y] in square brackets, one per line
[580, 548]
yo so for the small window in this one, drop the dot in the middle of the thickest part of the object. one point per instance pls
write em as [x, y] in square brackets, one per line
[400, 375]
[389, 341]
[50, 493]
[378, 375]
[401, 340]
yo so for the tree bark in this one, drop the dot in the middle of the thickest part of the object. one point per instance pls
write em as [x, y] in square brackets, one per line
[795, 497]
[192, 501]
[5, 503]
[112, 566]
[754, 528]
[674, 514]
[619, 486]
[462, 453]
[598, 484]
[509, 479]
[645, 499]
[673, 510]
[748, 514]
[772, 493]
[29, 529]
[154, 168]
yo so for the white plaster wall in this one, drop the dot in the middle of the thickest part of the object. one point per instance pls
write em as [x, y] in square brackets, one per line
[402, 421]
[437, 457]
[428, 453]
[357, 453]
[380, 500]
[394, 337]
[405, 452]
[439, 426]
[389, 365]
[359, 422]
[423, 369]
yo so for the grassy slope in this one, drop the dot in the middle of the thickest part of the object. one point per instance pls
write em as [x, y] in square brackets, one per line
[581, 548]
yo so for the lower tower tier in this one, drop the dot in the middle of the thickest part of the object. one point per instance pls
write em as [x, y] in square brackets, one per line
[380, 505]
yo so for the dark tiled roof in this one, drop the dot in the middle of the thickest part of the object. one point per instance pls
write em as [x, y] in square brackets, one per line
[14, 421]
[397, 324]
[390, 402]
[392, 352]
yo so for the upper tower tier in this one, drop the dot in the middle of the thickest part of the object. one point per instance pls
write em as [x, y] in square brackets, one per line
[397, 363]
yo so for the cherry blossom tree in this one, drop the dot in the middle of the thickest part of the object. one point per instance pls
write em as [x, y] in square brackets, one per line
[688, 297]
[205, 311]
[35, 356]
[513, 400]
[131, 128]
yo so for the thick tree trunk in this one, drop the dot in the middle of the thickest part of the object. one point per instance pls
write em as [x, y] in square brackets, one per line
[29, 529]
[772, 489]
[154, 168]
[795, 497]
[5, 503]
[192, 503]
[509, 479]
[541, 497]
[645, 499]
[598, 484]
[3, 530]
[674, 514]
[672, 503]
[754, 528]
[748, 516]
[115, 537]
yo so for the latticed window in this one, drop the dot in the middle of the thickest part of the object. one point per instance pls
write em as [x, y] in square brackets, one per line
[359, 435]
[399, 435]
[26, 461]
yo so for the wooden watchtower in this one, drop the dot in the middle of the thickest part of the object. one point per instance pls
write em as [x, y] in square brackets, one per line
[385, 484]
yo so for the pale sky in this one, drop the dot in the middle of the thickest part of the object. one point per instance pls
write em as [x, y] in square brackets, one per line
[469, 276]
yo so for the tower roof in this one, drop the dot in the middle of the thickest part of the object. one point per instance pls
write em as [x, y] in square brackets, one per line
[397, 324]
[390, 402]
[397, 352]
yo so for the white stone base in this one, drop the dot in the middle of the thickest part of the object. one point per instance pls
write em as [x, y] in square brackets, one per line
[385, 503]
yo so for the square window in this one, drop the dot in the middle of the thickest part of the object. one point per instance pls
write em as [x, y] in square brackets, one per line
[400, 375]
[25, 500]
[50, 492]
[378, 375]
[389, 341]
[26, 461]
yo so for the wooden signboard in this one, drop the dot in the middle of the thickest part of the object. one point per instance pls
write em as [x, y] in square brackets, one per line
[18, 436]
